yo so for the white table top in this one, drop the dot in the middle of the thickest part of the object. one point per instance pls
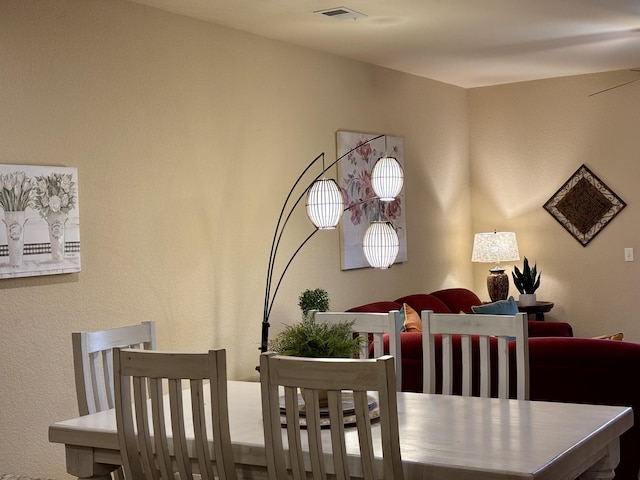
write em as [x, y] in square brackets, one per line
[443, 436]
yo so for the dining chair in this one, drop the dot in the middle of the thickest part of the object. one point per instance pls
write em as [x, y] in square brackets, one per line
[374, 326]
[93, 361]
[156, 392]
[308, 452]
[502, 328]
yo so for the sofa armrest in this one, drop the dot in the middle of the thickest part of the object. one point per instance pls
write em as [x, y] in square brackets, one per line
[549, 329]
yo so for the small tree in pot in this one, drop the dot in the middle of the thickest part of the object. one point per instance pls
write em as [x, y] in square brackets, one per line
[527, 282]
[317, 299]
[310, 339]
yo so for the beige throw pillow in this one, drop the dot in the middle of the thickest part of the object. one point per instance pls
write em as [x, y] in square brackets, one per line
[412, 321]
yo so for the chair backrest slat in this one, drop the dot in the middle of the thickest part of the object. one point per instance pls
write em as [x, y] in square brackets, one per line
[485, 369]
[158, 446]
[502, 327]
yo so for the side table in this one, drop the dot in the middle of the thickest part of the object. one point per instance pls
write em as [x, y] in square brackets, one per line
[540, 308]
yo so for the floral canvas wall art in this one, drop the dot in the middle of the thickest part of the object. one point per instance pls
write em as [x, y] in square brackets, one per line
[41, 217]
[354, 179]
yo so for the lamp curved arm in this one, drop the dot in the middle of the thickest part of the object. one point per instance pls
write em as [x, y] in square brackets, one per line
[277, 236]
[284, 270]
[269, 299]
[342, 156]
[269, 303]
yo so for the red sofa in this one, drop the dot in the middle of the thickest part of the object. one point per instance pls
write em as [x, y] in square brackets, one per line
[562, 368]
[454, 300]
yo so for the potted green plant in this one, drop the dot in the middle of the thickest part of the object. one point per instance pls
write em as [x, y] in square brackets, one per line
[527, 282]
[317, 299]
[310, 339]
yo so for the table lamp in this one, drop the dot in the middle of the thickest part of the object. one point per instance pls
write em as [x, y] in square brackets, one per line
[495, 247]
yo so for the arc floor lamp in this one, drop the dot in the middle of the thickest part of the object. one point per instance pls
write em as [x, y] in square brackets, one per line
[325, 206]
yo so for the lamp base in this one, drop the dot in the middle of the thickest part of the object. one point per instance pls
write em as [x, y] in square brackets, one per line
[498, 284]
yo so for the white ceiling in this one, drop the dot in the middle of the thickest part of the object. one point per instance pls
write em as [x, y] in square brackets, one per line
[469, 43]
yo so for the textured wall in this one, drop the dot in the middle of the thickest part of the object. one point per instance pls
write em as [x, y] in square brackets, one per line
[187, 137]
[526, 140]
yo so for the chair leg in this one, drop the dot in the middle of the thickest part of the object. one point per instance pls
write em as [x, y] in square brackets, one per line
[118, 474]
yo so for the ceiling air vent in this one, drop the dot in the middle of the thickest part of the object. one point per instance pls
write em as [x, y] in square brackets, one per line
[341, 12]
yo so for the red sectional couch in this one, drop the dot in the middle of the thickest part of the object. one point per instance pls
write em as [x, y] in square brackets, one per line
[563, 368]
[453, 300]
[443, 301]
[588, 370]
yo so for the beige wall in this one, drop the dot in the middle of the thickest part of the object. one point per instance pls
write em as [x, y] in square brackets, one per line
[186, 137]
[526, 140]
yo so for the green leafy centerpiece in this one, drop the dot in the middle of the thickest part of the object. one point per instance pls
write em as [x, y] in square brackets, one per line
[317, 340]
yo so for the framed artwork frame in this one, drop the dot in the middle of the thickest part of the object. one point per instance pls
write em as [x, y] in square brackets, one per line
[40, 214]
[362, 206]
[584, 205]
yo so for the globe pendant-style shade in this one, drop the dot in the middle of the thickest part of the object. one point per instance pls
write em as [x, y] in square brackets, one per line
[381, 245]
[325, 204]
[387, 178]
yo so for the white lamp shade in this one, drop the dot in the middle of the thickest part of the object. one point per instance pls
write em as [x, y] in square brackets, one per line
[325, 204]
[495, 247]
[387, 178]
[381, 245]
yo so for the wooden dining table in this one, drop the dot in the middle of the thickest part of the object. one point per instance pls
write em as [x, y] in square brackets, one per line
[441, 436]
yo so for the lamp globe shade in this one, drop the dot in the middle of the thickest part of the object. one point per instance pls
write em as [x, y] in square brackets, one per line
[325, 204]
[381, 245]
[387, 178]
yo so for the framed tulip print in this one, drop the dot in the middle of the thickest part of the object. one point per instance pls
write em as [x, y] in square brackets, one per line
[40, 234]
[362, 205]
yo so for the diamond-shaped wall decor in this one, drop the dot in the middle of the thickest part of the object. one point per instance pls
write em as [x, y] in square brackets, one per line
[584, 205]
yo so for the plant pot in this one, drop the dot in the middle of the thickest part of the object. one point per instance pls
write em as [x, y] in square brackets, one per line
[527, 299]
